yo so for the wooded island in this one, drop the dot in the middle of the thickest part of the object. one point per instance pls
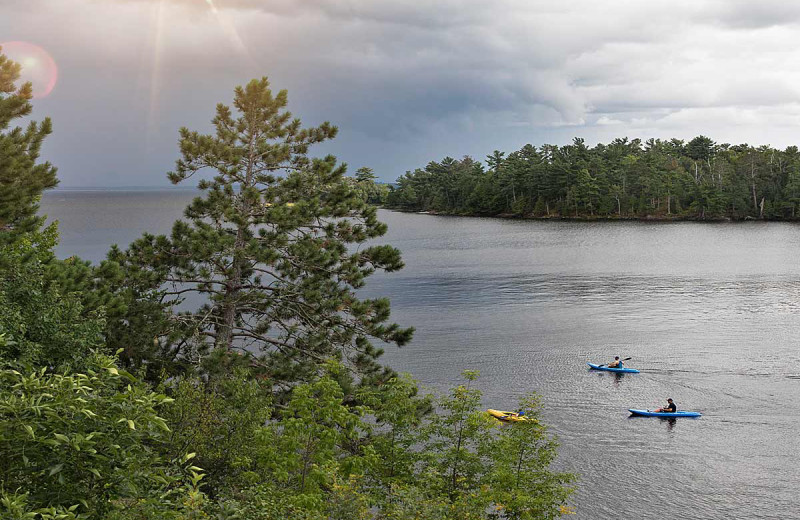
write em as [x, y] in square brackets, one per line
[625, 179]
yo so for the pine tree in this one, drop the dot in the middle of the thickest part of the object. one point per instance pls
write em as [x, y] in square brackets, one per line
[269, 248]
[22, 177]
[365, 174]
[369, 190]
[40, 322]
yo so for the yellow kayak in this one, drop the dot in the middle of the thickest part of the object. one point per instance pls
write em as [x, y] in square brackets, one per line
[507, 416]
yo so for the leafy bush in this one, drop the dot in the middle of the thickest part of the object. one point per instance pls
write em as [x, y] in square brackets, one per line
[321, 459]
[219, 420]
[84, 444]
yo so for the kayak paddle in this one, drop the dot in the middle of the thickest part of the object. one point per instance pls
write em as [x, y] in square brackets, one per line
[626, 359]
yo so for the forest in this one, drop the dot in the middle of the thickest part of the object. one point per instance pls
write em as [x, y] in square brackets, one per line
[230, 369]
[625, 179]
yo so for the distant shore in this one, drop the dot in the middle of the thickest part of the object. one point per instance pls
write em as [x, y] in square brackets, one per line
[595, 218]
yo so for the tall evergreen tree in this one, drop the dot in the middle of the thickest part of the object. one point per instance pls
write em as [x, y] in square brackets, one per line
[369, 190]
[39, 322]
[365, 174]
[267, 253]
[22, 176]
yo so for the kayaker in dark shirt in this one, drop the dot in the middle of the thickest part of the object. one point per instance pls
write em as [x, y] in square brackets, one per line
[670, 408]
[617, 363]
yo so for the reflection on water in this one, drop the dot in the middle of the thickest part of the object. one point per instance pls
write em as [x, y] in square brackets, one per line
[669, 422]
[708, 313]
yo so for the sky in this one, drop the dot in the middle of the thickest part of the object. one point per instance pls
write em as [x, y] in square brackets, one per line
[406, 81]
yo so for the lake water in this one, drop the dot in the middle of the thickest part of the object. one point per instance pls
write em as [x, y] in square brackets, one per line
[710, 313]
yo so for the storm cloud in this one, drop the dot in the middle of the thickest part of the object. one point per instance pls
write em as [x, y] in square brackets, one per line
[408, 82]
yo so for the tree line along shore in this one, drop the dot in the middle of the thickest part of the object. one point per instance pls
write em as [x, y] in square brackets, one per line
[624, 179]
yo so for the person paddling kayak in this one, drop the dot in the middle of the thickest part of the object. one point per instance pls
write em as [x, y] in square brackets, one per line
[670, 408]
[617, 363]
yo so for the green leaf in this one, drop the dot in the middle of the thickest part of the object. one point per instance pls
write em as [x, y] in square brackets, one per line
[55, 469]
[188, 456]
[127, 375]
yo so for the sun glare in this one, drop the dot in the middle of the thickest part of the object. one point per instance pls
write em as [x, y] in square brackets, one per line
[38, 66]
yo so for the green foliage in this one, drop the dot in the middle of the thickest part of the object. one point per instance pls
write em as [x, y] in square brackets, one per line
[135, 313]
[522, 487]
[268, 248]
[368, 190]
[309, 461]
[466, 465]
[412, 502]
[96, 442]
[218, 420]
[459, 442]
[623, 179]
[41, 326]
[22, 177]
[307, 445]
[83, 442]
[321, 459]
[273, 383]
[399, 413]
[40, 323]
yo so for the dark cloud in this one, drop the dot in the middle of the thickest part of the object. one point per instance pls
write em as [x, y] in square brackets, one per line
[407, 82]
[441, 14]
[752, 15]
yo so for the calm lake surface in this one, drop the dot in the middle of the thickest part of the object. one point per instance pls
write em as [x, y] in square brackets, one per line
[710, 314]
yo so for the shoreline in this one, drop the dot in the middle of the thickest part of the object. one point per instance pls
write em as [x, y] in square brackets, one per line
[588, 218]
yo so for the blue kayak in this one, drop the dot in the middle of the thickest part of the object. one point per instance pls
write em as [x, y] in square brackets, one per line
[648, 413]
[623, 370]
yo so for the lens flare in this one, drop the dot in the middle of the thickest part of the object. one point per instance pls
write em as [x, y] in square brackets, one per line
[38, 66]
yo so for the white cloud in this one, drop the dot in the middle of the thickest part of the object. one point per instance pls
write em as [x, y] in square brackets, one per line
[606, 121]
